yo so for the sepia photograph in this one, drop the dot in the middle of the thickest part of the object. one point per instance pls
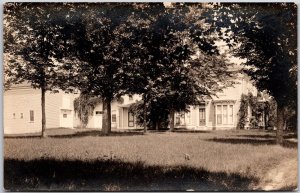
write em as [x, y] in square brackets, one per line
[150, 96]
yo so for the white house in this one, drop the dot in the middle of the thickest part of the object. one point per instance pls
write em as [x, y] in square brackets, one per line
[220, 112]
[22, 110]
[121, 118]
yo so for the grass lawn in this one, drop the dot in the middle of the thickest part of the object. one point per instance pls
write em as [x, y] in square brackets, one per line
[133, 161]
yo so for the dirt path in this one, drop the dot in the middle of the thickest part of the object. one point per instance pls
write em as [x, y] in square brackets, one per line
[281, 177]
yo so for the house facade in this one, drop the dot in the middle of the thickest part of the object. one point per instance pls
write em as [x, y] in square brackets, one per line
[221, 112]
[22, 110]
[23, 114]
[121, 118]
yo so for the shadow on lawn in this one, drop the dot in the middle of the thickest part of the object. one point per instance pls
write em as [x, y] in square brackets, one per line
[192, 131]
[96, 133]
[27, 135]
[114, 175]
[178, 131]
[288, 144]
[286, 136]
[257, 136]
[184, 130]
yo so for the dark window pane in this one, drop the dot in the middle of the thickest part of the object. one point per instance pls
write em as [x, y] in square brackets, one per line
[130, 120]
[114, 118]
[31, 115]
[99, 112]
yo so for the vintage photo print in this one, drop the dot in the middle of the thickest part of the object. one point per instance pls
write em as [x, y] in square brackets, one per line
[140, 96]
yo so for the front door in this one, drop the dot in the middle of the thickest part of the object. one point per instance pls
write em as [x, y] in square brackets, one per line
[98, 119]
[66, 118]
[113, 119]
[202, 116]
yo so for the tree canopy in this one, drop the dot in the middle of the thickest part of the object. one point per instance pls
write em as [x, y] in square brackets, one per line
[166, 53]
[265, 35]
[31, 32]
[173, 68]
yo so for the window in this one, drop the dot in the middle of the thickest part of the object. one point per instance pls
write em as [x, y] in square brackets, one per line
[14, 115]
[130, 98]
[230, 118]
[130, 119]
[31, 112]
[182, 118]
[65, 115]
[113, 118]
[224, 114]
[219, 114]
[98, 113]
[188, 114]
[202, 116]
[21, 116]
[177, 121]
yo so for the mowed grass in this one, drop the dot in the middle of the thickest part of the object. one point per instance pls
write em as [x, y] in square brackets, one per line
[207, 160]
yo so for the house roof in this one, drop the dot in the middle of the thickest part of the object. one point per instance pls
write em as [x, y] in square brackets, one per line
[20, 86]
[125, 105]
[224, 101]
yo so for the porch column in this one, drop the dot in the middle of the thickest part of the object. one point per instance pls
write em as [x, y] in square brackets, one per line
[121, 118]
[206, 114]
[198, 115]
[215, 117]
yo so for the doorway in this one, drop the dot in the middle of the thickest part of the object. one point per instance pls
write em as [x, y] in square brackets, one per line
[202, 116]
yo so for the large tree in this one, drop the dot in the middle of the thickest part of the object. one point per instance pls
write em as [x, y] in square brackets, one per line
[31, 30]
[95, 36]
[178, 62]
[268, 41]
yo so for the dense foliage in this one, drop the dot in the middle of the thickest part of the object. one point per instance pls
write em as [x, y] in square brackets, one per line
[157, 116]
[167, 54]
[265, 109]
[267, 38]
[243, 112]
[84, 106]
[174, 67]
[31, 33]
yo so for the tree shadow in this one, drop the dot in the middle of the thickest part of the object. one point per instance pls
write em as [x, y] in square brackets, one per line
[290, 135]
[192, 131]
[66, 175]
[68, 133]
[255, 142]
[26, 135]
[285, 136]
[97, 133]
[178, 131]
[184, 130]
[290, 144]
[257, 136]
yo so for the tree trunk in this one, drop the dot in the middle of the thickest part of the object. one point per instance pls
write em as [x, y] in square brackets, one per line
[172, 120]
[43, 113]
[106, 117]
[266, 115]
[280, 124]
[145, 115]
[159, 125]
[156, 125]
